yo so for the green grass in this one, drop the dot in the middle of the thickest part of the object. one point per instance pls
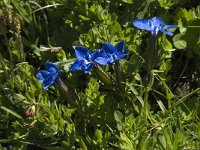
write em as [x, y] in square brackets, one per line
[116, 108]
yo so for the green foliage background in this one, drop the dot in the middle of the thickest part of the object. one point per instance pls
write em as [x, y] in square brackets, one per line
[108, 118]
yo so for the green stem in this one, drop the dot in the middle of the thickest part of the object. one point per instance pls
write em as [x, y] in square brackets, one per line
[4, 66]
[168, 93]
[73, 100]
[152, 54]
[9, 50]
[118, 74]
[151, 60]
[19, 46]
[104, 77]
[181, 101]
[146, 95]
[64, 87]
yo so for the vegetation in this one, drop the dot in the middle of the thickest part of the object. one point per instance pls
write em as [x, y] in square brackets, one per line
[149, 99]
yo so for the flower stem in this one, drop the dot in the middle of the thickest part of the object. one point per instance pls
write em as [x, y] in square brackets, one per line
[151, 60]
[73, 100]
[66, 91]
[152, 54]
[117, 71]
[147, 88]
[104, 77]
[118, 76]
[146, 95]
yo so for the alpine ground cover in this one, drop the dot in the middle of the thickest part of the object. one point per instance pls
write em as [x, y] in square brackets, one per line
[99, 74]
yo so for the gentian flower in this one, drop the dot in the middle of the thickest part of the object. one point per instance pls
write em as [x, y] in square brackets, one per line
[111, 54]
[154, 25]
[84, 59]
[49, 76]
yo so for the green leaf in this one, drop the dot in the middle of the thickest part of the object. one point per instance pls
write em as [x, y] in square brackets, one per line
[128, 1]
[176, 139]
[168, 139]
[84, 18]
[161, 105]
[161, 141]
[82, 144]
[179, 41]
[118, 116]
[180, 101]
[187, 15]
[11, 112]
[135, 93]
[98, 134]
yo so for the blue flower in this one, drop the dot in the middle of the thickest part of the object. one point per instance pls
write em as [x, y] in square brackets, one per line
[154, 25]
[111, 54]
[84, 59]
[48, 77]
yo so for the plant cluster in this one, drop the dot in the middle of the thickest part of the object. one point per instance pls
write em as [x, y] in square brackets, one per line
[120, 74]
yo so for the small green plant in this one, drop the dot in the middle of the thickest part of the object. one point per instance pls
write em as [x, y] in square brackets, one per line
[106, 84]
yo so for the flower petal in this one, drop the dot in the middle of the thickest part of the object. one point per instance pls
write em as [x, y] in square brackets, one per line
[48, 82]
[108, 48]
[77, 65]
[165, 27]
[120, 46]
[126, 52]
[51, 67]
[88, 67]
[42, 75]
[97, 53]
[46, 86]
[169, 27]
[120, 56]
[167, 32]
[102, 60]
[143, 24]
[156, 22]
[55, 76]
[49, 76]
[81, 52]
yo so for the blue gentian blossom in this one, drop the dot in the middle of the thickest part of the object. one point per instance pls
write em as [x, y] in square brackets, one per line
[111, 54]
[49, 76]
[154, 25]
[84, 59]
